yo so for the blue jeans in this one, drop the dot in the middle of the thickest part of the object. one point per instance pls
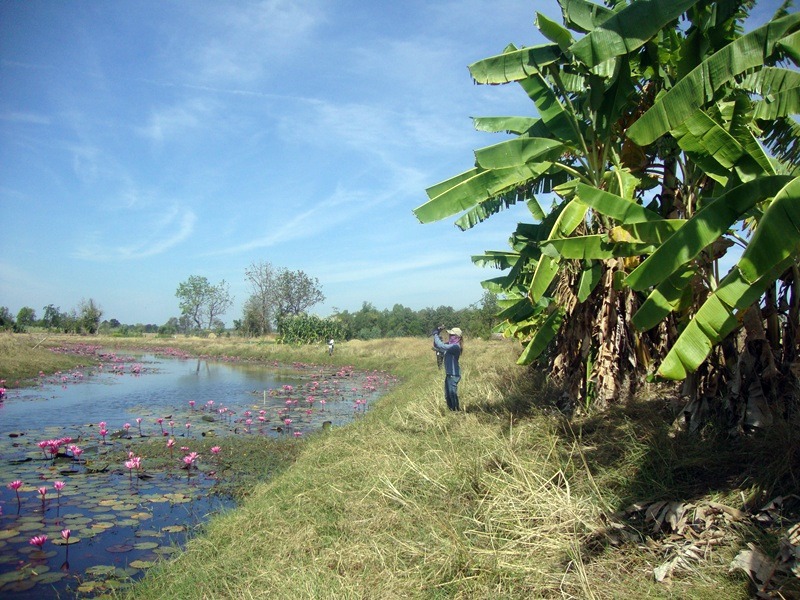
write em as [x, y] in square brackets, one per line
[451, 391]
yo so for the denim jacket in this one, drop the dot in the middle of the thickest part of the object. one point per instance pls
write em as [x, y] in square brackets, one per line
[451, 354]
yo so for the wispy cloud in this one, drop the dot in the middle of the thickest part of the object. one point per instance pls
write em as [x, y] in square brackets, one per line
[243, 40]
[173, 121]
[153, 238]
[26, 117]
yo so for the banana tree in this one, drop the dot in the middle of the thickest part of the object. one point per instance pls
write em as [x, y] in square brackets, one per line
[663, 139]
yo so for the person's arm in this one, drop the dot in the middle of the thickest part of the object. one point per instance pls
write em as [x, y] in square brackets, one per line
[439, 344]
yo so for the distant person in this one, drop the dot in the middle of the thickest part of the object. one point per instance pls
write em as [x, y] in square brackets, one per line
[330, 347]
[452, 371]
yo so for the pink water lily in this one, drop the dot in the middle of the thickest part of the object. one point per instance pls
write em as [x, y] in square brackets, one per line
[15, 485]
[38, 540]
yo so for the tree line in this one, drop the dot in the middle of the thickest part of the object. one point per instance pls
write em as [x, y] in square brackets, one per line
[279, 303]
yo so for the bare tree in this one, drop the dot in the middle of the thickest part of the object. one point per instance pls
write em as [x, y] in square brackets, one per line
[259, 307]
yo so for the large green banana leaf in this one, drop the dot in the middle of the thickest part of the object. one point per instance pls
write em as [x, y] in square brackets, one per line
[668, 296]
[530, 126]
[706, 226]
[716, 319]
[614, 206]
[628, 29]
[774, 247]
[518, 151]
[554, 32]
[777, 236]
[780, 91]
[543, 336]
[472, 187]
[555, 116]
[582, 15]
[514, 64]
[697, 88]
[546, 269]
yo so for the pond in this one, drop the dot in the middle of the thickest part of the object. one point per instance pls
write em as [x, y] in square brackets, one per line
[106, 520]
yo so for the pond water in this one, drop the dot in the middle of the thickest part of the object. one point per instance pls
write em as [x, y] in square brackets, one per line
[122, 517]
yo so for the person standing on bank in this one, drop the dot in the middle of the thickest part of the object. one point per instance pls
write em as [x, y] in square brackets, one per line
[452, 352]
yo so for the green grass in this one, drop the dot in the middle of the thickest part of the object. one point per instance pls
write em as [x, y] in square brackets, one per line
[506, 499]
[23, 356]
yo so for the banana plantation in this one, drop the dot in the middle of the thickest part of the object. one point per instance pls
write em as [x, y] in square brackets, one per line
[658, 185]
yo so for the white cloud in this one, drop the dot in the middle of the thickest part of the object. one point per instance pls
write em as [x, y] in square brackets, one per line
[174, 121]
[170, 227]
[243, 40]
[29, 118]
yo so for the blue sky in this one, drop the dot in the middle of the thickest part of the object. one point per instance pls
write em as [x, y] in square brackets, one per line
[144, 142]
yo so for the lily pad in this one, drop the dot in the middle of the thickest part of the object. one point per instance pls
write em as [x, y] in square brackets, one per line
[101, 570]
[62, 542]
[120, 548]
[146, 545]
[148, 533]
[141, 564]
[174, 528]
[51, 577]
[8, 533]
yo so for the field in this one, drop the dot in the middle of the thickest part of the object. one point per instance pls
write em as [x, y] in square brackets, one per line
[506, 499]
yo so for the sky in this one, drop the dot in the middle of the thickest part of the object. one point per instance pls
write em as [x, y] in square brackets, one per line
[144, 142]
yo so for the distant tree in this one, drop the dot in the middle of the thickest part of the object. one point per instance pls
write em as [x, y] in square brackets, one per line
[6, 319]
[52, 316]
[203, 302]
[89, 314]
[26, 317]
[170, 327]
[259, 308]
[295, 292]
[252, 323]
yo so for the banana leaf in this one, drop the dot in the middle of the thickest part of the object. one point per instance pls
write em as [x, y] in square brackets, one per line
[530, 126]
[559, 122]
[470, 188]
[698, 87]
[715, 319]
[667, 297]
[777, 236]
[592, 247]
[591, 274]
[706, 226]
[571, 216]
[544, 335]
[618, 208]
[514, 64]
[518, 151]
[554, 32]
[582, 15]
[628, 29]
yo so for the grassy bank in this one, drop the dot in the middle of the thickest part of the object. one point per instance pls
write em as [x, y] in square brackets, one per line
[506, 499]
[23, 356]
[503, 500]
